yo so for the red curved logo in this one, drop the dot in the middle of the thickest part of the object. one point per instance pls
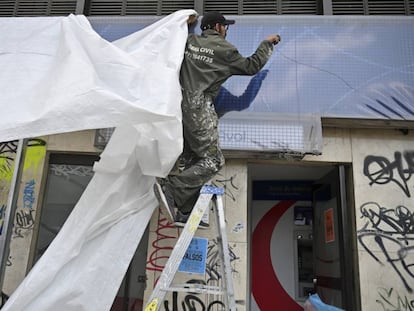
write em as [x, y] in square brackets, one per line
[266, 288]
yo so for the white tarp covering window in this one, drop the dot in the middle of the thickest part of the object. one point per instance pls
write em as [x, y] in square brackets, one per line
[59, 75]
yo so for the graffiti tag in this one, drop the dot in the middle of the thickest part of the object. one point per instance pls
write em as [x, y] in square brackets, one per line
[381, 170]
[392, 231]
[392, 300]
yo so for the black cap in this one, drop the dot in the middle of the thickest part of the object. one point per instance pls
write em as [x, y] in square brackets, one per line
[212, 18]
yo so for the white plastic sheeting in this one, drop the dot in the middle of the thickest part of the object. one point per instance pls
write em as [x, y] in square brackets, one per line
[58, 75]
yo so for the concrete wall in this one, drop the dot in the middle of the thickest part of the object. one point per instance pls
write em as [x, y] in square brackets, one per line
[383, 164]
[82, 141]
[382, 161]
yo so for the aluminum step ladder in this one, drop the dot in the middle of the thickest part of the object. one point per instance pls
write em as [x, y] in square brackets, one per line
[207, 194]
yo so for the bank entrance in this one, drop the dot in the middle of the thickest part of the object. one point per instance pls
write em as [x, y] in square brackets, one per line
[302, 233]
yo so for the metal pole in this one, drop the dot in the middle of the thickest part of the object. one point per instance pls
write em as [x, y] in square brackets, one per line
[80, 7]
[199, 6]
[327, 7]
[10, 211]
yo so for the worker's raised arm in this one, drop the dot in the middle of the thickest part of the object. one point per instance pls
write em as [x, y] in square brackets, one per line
[274, 39]
[251, 65]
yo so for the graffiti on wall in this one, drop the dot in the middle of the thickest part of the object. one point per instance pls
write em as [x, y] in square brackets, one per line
[388, 237]
[228, 184]
[2, 211]
[24, 218]
[392, 299]
[4, 299]
[382, 171]
[387, 232]
[68, 170]
[192, 301]
[7, 153]
[213, 262]
[162, 244]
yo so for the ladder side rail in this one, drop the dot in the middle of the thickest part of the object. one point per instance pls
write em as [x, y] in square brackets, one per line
[228, 278]
[192, 288]
[173, 262]
[222, 279]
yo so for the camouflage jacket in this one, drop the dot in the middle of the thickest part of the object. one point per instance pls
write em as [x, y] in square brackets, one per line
[209, 60]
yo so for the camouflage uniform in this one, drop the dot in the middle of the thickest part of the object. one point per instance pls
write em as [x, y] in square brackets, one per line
[209, 61]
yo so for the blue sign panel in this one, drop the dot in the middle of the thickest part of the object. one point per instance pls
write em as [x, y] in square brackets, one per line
[282, 190]
[194, 260]
[329, 66]
[342, 66]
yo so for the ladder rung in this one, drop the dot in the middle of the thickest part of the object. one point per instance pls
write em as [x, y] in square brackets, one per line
[195, 288]
[207, 189]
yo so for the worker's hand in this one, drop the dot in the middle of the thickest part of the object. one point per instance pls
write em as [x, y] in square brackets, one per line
[275, 39]
[192, 19]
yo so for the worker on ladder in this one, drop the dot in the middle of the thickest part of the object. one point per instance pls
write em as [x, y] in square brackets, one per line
[209, 60]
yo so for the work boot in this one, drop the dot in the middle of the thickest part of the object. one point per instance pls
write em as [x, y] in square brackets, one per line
[166, 200]
[181, 220]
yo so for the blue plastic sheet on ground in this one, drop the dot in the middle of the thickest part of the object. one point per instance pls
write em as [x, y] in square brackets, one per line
[314, 303]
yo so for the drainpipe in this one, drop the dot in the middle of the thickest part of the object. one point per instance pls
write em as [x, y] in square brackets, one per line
[327, 7]
[80, 5]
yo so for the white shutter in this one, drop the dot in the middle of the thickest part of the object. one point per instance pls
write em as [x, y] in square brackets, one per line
[382, 7]
[229, 7]
[62, 7]
[299, 7]
[32, 8]
[138, 7]
[37, 7]
[260, 7]
[106, 7]
[373, 7]
[7, 8]
[348, 7]
[171, 6]
[141, 7]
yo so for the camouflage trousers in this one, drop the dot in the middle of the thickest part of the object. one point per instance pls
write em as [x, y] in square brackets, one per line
[201, 158]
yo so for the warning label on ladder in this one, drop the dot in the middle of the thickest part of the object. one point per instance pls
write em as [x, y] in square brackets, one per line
[152, 306]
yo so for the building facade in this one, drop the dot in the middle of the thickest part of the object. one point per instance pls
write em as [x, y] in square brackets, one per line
[322, 205]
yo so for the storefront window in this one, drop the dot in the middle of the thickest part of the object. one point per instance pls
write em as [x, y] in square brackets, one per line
[67, 178]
